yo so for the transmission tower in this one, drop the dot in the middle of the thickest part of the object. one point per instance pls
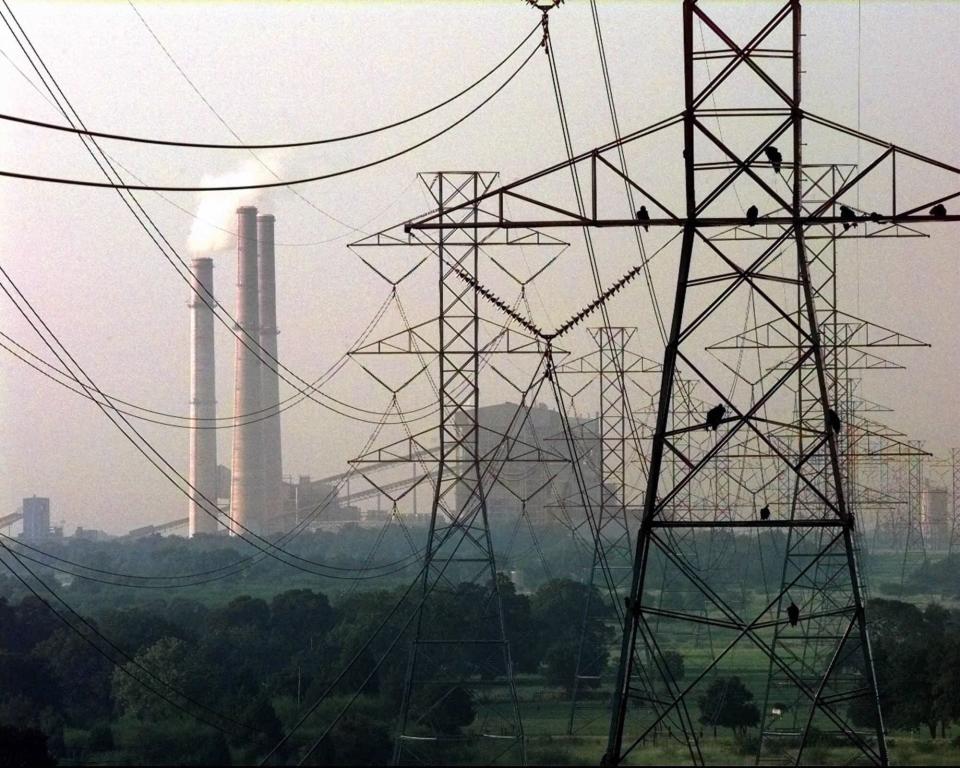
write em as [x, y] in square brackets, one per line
[849, 347]
[609, 364]
[459, 662]
[807, 451]
[954, 499]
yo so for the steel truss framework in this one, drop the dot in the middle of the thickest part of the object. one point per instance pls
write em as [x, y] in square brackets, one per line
[849, 346]
[609, 364]
[473, 657]
[807, 451]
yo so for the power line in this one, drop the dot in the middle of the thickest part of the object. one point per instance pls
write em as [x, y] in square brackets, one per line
[253, 345]
[280, 145]
[238, 331]
[166, 419]
[283, 182]
[116, 649]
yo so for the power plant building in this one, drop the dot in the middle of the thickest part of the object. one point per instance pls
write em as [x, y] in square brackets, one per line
[36, 518]
[545, 491]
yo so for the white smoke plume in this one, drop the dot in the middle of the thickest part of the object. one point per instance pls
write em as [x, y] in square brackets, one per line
[215, 221]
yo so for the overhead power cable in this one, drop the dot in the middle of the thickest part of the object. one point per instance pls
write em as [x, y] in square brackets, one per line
[456, 524]
[230, 569]
[162, 243]
[157, 686]
[283, 182]
[164, 418]
[144, 446]
[279, 145]
[250, 342]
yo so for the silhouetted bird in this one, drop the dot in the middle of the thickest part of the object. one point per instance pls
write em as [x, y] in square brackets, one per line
[833, 420]
[752, 214]
[938, 211]
[775, 158]
[875, 217]
[793, 614]
[715, 416]
[643, 216]
[765, 513]
[847, 217]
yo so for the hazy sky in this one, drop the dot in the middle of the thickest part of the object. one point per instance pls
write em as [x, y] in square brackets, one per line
[279, 72]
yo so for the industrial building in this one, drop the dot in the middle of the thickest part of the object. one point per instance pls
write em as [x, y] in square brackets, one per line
[36, 518]
[545, 490]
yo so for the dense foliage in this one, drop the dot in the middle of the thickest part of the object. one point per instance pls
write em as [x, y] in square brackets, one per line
[219, 671]
[199, 685]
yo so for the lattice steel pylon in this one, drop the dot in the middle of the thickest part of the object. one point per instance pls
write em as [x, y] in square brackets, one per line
[954, 499]
[807, 451]
[438, 670]
[610, 363]
[849, 345]
[460, 659]
[759, 425]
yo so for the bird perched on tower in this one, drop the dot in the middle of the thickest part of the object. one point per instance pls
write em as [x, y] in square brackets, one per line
[715, 416]
[938, 211]
[793, 614]
[765, 513]
[847, 217]
[753, 213]
[833, 420]
[775, 158]
[643, 216]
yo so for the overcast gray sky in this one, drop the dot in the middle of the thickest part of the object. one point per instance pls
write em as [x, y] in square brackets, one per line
[279, 72]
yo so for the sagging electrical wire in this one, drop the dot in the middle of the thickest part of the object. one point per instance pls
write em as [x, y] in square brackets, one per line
[230, 323]
[277, 145]
[172, 420]
[251, 343]
[209, 300]
[120, 185]
[144, 446]
[455, 524]
[156, 687]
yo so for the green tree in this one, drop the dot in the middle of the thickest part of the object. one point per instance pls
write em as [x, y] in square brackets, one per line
[167, 659]
[100, 738]
[729, 703]
[266, 727]
[244, 612]
[356, 740]
[916, 666]
[673, 660]
[299, 617]
[452, 709]
[81, 674]
[560, 663]
[556, 617]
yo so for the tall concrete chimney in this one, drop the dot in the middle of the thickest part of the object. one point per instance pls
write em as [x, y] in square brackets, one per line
[269, 380]
[246, 482]
[203, 402]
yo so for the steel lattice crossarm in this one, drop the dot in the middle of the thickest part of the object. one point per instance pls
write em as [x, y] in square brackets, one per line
[889, 216]
[851, 332]
[820, 183]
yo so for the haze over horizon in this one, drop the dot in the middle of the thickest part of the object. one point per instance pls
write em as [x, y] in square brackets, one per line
[277, 73]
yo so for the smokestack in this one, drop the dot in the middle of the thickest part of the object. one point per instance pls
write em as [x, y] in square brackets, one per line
[269, 380]
[246, 482]
[203, 402]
